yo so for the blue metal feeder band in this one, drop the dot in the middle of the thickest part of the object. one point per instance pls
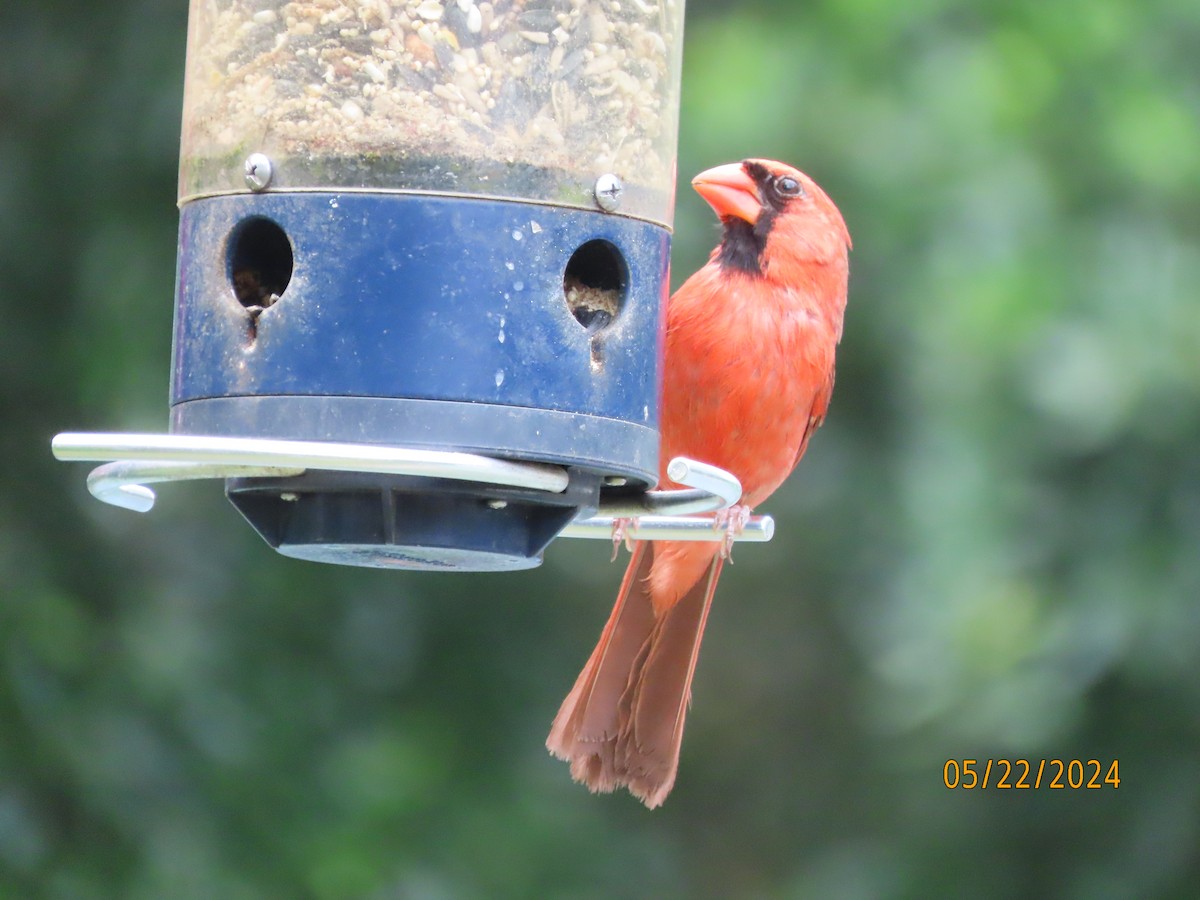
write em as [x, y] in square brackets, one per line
[423, 321]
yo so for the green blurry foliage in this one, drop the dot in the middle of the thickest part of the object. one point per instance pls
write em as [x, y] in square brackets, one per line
[989, 551]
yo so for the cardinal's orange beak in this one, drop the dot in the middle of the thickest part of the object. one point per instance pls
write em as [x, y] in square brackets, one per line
[729, 191]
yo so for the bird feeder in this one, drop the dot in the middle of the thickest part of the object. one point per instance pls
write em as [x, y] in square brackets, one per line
[422, 264]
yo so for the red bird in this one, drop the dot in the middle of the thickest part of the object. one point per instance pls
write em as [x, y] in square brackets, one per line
[748, 373]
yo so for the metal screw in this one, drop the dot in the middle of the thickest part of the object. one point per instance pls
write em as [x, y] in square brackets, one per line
[258, 171]
[608, 192]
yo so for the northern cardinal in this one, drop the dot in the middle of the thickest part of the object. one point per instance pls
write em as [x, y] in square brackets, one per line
[748, 372]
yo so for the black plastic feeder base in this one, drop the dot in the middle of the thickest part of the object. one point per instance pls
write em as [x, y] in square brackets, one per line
[401, 522]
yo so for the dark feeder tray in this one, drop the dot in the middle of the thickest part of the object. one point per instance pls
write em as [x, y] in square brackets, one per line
[513, 330]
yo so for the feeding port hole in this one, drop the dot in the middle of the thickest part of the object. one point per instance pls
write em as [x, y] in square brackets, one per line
[595, 283]
[260, 263]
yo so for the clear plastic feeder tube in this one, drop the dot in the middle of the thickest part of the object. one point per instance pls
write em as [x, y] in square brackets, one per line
[522, 99]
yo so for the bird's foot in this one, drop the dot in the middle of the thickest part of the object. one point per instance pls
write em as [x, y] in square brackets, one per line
[732, 522]
[621, 535]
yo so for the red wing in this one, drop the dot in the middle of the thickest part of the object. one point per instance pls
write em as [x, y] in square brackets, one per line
[816, 415]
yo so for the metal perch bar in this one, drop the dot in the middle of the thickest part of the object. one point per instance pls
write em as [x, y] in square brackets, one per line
[136, 460]
[243, 453]
[664, 515]
[670, 528]
[123, 483]
[713, 489]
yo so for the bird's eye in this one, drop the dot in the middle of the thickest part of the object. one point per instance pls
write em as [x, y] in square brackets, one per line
[788, 186]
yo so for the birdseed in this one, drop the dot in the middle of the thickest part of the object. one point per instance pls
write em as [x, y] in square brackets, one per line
[523, 98]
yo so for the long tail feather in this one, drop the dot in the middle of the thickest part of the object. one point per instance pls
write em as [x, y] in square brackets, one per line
[660, 692]
[622, 723]
[585, 730]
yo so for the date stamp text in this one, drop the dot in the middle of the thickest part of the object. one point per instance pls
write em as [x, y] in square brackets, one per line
[1025, 774]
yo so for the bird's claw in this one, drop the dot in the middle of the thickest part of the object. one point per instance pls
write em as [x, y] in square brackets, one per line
[621, 535]
[732, 522]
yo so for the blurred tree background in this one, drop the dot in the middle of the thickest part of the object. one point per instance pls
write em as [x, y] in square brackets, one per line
[991, 550]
